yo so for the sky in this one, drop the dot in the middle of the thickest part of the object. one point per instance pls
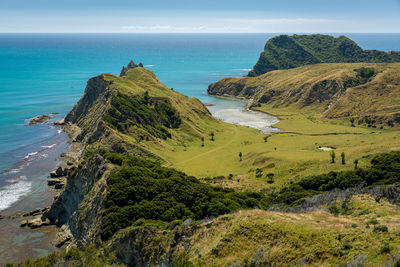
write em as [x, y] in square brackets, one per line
[204, 16]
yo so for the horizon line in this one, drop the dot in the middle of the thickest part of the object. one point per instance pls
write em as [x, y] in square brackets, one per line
[200, 32]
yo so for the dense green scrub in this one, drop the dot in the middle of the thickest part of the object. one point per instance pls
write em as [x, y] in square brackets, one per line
[385, 169]
[155, 116]
[285, 52]
[142, 189]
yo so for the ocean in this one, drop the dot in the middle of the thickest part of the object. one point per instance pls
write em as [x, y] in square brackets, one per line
[47, 73]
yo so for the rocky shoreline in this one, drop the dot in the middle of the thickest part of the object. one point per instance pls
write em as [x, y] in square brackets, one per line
[38, 218]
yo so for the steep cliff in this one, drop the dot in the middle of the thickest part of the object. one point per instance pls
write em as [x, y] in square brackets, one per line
[285, 52]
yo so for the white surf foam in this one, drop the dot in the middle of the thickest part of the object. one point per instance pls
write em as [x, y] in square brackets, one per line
[11, 193]
[30, 155]
[50, 146]
[243, 69]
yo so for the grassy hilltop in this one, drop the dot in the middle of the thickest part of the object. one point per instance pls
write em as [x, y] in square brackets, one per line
[285, 52]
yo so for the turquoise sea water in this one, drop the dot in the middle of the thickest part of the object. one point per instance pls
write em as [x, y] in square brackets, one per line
[42, 73]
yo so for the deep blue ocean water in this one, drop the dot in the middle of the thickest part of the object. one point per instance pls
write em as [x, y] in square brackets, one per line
[44, 73]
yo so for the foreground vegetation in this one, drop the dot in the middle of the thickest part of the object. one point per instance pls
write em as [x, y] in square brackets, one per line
[143, 190]
[366, 233]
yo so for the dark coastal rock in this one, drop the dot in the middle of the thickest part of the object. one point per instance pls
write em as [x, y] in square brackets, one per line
[59, 186]
[32, 213]
[59, 172]
[60, 122]
[39, 119]
[38, 222]
[131, 65]
[123, 71]
[54, 181]
[63, 236]
[23, 223]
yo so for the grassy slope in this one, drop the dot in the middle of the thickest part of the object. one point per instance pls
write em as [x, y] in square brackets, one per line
[321, 87]
[296, 155]
[318, 237]
[303, 130]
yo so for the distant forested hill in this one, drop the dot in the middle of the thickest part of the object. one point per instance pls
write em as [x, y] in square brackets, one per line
[286, 52]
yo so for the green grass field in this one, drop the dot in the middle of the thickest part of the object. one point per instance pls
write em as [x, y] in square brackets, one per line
[290, 153]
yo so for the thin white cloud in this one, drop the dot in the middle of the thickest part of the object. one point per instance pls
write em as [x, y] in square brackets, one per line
[281, 21]
[234, 25]
[164, 28]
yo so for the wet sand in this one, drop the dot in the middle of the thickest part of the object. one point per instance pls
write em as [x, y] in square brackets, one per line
[235, 112]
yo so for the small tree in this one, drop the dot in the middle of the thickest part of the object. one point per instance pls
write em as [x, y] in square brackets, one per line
[356, 164]
[333, 156]
[352, 122]
[146, 97]
[270, 177]
[343, 156]
[212, 136]
[259, 172]
[266, 138]
[240, 156]
[202, 141]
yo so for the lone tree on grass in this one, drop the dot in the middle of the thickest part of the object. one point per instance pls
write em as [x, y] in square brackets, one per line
[270, 177]
[266, 138]
[202, 141]
[356, 164]
[333, 156]
[212, 136]
[240, 156]
[343, 156]
[259, 172]
[352, 122]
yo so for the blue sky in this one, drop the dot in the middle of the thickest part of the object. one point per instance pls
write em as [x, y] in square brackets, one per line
[294, 16]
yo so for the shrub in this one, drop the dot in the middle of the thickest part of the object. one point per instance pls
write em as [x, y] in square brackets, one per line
[385, 248]
[373, 222]
[380, 229]
[334, 209]
[364, 212]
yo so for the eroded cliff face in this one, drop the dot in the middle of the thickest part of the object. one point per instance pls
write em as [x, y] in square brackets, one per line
[80, 203]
